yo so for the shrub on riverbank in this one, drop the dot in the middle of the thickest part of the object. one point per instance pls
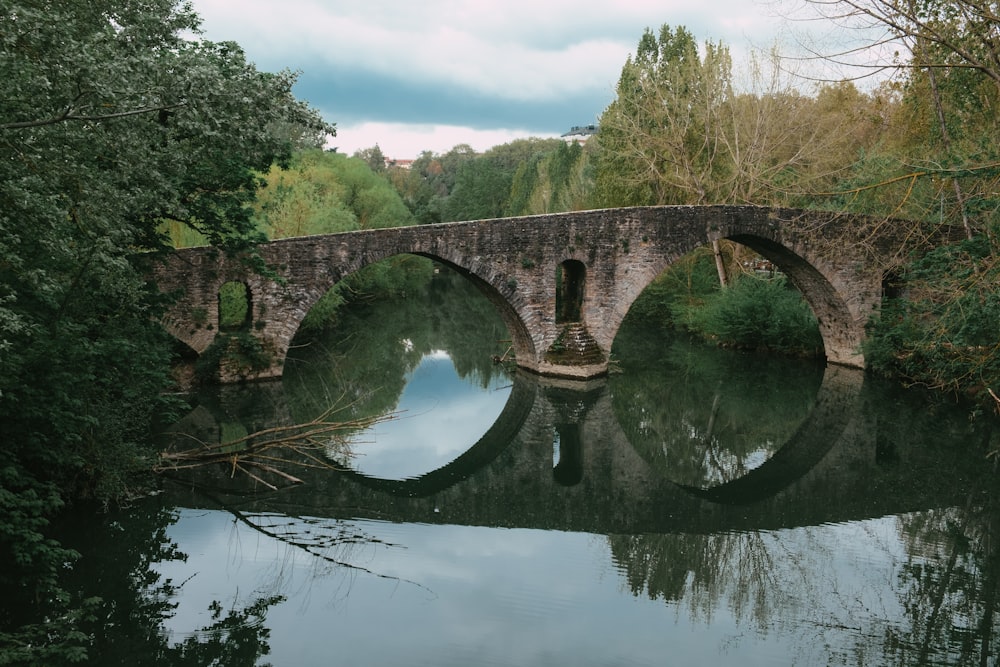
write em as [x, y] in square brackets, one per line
[759, 313]
[754, 312]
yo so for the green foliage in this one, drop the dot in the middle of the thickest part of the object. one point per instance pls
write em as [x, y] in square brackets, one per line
[324, 312]
[239, 351]
[482, 189]
[552, 181]
[322, 193]
[752, 313]
[484, 185]
[373, 157]
[938, 166]
[523, 186]
[522, 177]
[760, 313]
[123, 554]
[677, 293]
[658, 139]
[234, 306]
[427, 184]
[390, 278]
[116, 118]
[943, 331]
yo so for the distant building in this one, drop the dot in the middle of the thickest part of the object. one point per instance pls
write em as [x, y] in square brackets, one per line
[579, 133]
[401, 164]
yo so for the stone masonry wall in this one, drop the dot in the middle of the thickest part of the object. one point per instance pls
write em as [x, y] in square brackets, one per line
[836, 261]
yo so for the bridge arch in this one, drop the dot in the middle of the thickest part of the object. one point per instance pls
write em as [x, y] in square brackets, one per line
[840, 278]
[497, 289]
[521, 342]
[840, 326]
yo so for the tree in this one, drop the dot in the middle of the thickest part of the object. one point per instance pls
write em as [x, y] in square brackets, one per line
[322, 193]
[115, 117]
[950, 50]
[552, 181]
[963, 34]
[483, 184]
[661, 138]
[937, 165]
[373, 157]
[426, 186]
[680, 132]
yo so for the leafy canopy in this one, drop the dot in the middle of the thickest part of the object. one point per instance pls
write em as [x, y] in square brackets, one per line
[115, 116]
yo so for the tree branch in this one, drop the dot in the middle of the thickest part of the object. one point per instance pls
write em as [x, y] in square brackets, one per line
[68, 115]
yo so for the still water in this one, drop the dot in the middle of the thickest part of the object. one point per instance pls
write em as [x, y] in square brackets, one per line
[697, 507]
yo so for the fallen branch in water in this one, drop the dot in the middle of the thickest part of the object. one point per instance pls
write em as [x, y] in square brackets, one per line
[268, 451]
[996, 452]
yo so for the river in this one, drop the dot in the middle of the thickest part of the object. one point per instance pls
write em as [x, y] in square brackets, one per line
[696, 507]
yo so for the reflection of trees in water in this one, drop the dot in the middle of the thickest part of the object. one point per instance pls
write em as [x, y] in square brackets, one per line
[704, 571]
[703, 417]
[917, 589]
[948, 583]
[130, 602]
[948, 587]
[366, 359]
[334, 546]
[128, 622]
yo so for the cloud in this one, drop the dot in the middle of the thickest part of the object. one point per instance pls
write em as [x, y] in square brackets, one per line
[456, 68]
[479, 48]
[408, 140]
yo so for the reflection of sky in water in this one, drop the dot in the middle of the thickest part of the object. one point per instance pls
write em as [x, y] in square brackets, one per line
[442, 416]
[462, 595]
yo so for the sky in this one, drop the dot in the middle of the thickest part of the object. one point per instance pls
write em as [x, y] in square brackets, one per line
[429, 75]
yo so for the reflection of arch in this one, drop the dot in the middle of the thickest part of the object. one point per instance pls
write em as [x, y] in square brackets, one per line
[495, 440]
[506, 478]
[834, 408]
[568, 470]
[570, 287]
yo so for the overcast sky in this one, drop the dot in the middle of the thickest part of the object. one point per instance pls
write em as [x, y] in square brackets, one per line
[414, 76]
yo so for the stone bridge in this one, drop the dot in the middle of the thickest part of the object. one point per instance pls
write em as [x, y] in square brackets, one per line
[563, 283]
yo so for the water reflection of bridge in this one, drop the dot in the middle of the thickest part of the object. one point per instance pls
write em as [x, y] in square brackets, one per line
[594, 481]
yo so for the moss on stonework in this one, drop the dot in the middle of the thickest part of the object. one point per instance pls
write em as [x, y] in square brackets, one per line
[240, 354]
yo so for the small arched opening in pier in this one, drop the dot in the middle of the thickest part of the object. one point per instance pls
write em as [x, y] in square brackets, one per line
[570, 283]
[235, 307]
